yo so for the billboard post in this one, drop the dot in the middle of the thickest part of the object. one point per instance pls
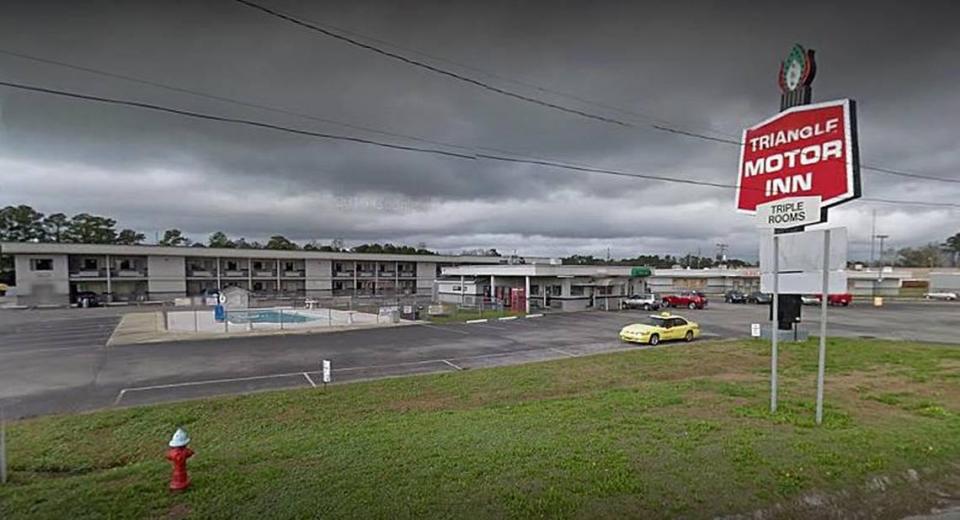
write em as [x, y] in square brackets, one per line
[793, 167]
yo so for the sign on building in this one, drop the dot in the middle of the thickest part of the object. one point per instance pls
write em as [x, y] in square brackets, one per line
[804, 151]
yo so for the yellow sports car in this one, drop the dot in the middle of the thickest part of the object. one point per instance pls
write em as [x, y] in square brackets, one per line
[660, 327]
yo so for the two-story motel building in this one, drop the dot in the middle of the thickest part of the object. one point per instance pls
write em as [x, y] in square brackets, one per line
[53, 273]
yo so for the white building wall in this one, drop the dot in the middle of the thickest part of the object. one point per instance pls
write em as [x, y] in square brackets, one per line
[426, 274]
[318, 277]
[944, 282]
[167, 277]
[42, 287]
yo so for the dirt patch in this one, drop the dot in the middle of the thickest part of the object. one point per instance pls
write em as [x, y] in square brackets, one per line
[884, 496]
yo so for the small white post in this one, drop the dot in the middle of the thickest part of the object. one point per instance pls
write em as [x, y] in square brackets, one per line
[774, 330]
[824, 297]
[327, 372]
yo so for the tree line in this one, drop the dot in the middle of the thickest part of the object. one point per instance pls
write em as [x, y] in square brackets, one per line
[24, 224]
[658, 262]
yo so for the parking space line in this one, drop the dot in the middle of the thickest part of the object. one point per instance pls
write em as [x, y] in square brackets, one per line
[456, 367]
[444, 329]
[124, 391]
[45, 350]
[564, 352]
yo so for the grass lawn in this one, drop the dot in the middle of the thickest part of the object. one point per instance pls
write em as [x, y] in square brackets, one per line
[676, 431]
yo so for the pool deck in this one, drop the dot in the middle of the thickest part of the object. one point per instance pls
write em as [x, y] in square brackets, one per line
[147, 327]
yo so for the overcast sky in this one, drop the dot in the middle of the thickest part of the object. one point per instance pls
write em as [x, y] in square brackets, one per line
[702, 66]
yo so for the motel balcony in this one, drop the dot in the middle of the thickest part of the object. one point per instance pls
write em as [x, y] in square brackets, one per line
[88, 273]
[200, 273]
[129, 273]
[234, 273]
[296, 273]
[343, 274]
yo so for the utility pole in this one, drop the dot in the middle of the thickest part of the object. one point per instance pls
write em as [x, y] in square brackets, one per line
[873, 236]
[881, 238]
[722, 248]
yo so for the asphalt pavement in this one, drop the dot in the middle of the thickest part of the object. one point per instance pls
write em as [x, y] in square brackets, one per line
[58, 362]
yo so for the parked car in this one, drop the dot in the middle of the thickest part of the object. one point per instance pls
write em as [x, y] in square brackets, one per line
[735, 296]
[3, 289]
[660, 327]
[87, 299]
[760, 298]
[688, 299]
[646, 302]
[840, 299]
[948, 296]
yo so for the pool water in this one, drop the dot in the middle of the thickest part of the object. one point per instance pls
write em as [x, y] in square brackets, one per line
[267, 317]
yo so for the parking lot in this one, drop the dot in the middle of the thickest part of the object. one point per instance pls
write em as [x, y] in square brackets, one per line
[56, 361]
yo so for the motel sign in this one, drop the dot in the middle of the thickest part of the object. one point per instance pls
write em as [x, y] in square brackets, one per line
[805, 151]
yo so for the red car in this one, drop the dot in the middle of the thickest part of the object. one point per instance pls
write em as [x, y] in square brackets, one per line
[688, 299]
[843, 299]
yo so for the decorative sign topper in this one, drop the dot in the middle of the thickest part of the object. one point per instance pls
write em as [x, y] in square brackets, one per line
[805, 151]
[798, 70]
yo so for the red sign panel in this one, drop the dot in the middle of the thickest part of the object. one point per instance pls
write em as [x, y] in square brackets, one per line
[809, 150]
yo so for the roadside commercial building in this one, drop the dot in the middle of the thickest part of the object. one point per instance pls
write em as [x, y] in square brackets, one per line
[52, 273]
[544, 286]
[715, 282]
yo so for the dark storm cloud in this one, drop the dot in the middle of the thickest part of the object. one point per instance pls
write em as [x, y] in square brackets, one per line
[704, 66]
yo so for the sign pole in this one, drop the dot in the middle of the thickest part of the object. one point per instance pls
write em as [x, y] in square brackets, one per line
[824, 301]
[774, 326]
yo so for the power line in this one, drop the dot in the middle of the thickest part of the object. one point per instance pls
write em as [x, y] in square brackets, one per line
[666, 127]
[537, 162]
[432, 68]
[211, 117]
[216, 97]
[547, 90]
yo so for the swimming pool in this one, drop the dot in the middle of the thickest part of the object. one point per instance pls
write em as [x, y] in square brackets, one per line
[268, 316]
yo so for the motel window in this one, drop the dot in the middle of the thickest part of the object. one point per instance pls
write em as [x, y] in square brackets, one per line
[257, 286]
[556, 290]
[41, 264]
[231, 266]
[288, 266]
[258, 265]
[125, 264]
[534, 289]
[90, 264]
[338, 267]
[576, 290]
[456, 288]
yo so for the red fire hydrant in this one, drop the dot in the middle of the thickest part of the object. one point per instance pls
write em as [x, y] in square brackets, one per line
[178, 455]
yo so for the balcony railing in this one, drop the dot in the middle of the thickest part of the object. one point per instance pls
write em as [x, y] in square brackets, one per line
[130, 273]
[200, 273]
[296, 273]
[234, 273]
[89, 273]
